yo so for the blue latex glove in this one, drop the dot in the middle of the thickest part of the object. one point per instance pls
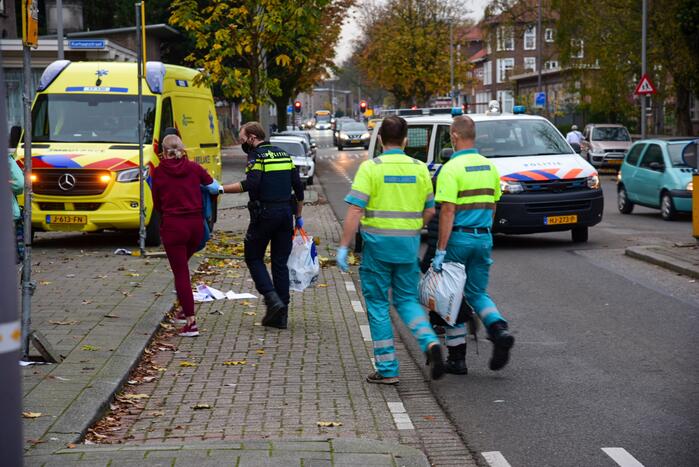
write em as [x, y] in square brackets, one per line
[214, 188]
[342, 258]
[438, 260]
[299, 222]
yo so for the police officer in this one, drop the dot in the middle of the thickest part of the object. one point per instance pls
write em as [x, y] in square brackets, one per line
[467, 188]
[392, 197]
[270, 178]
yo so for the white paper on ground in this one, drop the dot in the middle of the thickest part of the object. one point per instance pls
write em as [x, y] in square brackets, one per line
[210, 291]
[200, 297]
[230, 295]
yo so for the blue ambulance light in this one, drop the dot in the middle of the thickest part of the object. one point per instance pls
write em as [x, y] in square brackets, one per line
[519, 109]
[155, 76]
[51, 73]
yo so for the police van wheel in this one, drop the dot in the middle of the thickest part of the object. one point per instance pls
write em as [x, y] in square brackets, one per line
[340, 147]
[579, 234]
[153, 230]
[310, 180]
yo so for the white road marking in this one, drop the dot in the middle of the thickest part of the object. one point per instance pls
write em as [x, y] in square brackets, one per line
[622, 457]
[366, 334]
[396, 407]
[350, 286]
[400, 416]
[495, 459]
[357, 306]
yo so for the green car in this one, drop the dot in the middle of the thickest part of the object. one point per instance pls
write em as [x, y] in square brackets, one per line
[655, 174]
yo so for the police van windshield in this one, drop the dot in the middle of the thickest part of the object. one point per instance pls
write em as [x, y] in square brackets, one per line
[91, 118]
[518, 137]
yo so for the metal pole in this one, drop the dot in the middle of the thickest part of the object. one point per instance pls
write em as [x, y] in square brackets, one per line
[451, 64]
[59, 27]
[27, 285]
[142, 196]
[539, 46]
[644, 39]
[10, 390]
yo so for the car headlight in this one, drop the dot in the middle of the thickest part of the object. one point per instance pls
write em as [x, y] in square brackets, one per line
[593, 182]
[366, 136]
[130, 175]
[343, 135]
[511, 187]
[597, 152]
[690, 186]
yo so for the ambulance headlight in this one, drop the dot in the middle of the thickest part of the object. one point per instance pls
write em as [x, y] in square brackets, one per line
[507, 186]
[593, 182]
[130, 175]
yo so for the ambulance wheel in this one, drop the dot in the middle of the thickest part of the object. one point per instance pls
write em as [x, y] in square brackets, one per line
[153, 230]
[579, 234]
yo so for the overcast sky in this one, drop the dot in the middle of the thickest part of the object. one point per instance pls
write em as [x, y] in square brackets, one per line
[351, 29]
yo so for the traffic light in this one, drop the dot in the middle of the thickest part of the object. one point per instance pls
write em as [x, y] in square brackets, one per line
[362, 106]
[297, 107]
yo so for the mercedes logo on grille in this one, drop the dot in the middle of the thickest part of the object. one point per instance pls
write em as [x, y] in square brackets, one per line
[66, 182]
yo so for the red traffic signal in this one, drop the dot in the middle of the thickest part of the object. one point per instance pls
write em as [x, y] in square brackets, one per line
[297, 106]
[362, 106]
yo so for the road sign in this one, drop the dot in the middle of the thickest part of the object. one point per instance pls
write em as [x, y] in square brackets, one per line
[540, 99]
[645, 87]
[87, 44]
[289, 108]
[30, 23]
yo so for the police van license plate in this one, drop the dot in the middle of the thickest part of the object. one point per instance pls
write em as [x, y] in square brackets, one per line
[65, 219]
[557, 220]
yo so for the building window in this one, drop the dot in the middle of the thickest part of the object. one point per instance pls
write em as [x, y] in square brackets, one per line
[529, 64]
[530, 38]
[504, 65]
[548, 35]
[577, 48]
[551, 65]
[487, 73]
[505, 38]
[507, 100]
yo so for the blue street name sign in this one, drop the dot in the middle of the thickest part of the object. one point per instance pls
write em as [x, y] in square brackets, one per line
[87, 44]
[289, 109]
[540, 99]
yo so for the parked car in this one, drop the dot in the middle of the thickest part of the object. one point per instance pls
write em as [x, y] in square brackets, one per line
[654, 174]
[306, 136]
[353, 134]
[604, 145]
[295, 147]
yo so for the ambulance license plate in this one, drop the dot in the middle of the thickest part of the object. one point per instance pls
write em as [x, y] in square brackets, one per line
[557, 220]
[65, 219]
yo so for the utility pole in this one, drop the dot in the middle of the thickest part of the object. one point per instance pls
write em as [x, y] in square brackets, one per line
[59, 27]
[644, 40]
[10, 334]
[451, 63]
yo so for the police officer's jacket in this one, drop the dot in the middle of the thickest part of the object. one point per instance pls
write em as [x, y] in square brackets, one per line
[271, 176]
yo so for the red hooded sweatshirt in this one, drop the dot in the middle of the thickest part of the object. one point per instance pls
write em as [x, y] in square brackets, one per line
[176, 187]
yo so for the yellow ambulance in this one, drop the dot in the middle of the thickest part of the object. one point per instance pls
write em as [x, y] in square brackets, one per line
[85, 162]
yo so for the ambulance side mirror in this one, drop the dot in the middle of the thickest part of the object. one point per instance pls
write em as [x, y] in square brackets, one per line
[689, 155]
[13, 140]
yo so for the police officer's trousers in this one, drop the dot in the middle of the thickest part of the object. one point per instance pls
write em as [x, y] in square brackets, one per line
[475, 256]
[377, 278]
[274, 226]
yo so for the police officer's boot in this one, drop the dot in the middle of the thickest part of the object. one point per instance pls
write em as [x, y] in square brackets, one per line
[275, 306]
[456, 360]
[502, 343]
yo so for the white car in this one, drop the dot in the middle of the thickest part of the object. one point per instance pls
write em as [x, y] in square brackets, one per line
[295, 146]
[546, 186]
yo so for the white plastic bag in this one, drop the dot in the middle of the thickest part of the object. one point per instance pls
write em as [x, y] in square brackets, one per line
[443, 291]
[303, 262]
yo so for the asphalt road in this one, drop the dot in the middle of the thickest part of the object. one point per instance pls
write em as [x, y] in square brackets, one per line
[605, 346]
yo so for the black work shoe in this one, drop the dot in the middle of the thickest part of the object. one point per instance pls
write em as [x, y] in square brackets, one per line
[377, 378]
[275, 306]
[436, 361]
[282, 321]
[502, 343]
[456, 360]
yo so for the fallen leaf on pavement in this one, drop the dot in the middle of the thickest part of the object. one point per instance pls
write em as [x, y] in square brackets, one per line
[234, 363]
[70, 276]
[31, 414]
[329, 424]
[201, 407]
[260, 351]
[70, 446]
[428, 417]
[135, 396]
[249, 313]
[45, 282]
[34, 442]
[245, 303]
[187, 364]
[111, 316]
[90, 348]
[157, 413]
[322, 285]
[166, 326]
[86, 302]
[64, 323]
[133, 274]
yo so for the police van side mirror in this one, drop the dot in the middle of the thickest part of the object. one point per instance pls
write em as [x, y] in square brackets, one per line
[576, 147]
[446, 154]
[15, 133]
[689, 155]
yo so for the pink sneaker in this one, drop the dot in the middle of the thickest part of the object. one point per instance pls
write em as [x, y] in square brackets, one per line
[189, 330]
[180, 319]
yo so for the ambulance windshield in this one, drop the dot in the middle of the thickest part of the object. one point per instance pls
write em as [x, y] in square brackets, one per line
[91, 118]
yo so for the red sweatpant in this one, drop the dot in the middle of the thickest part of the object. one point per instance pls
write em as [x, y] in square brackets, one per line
[181, 236]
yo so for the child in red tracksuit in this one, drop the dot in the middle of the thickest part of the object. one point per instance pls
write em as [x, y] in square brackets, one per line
[177, 197]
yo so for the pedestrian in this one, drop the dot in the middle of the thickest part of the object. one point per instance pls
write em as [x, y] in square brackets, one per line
[17, 187]
[574, 136]
[392, 197]
[177, 197]
[468, 186]
[270, 179]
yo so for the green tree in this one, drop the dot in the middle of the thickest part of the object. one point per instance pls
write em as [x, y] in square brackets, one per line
[405, 49]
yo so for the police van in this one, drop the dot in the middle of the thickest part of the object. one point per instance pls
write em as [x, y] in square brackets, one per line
[546, 186]
[85, 158]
